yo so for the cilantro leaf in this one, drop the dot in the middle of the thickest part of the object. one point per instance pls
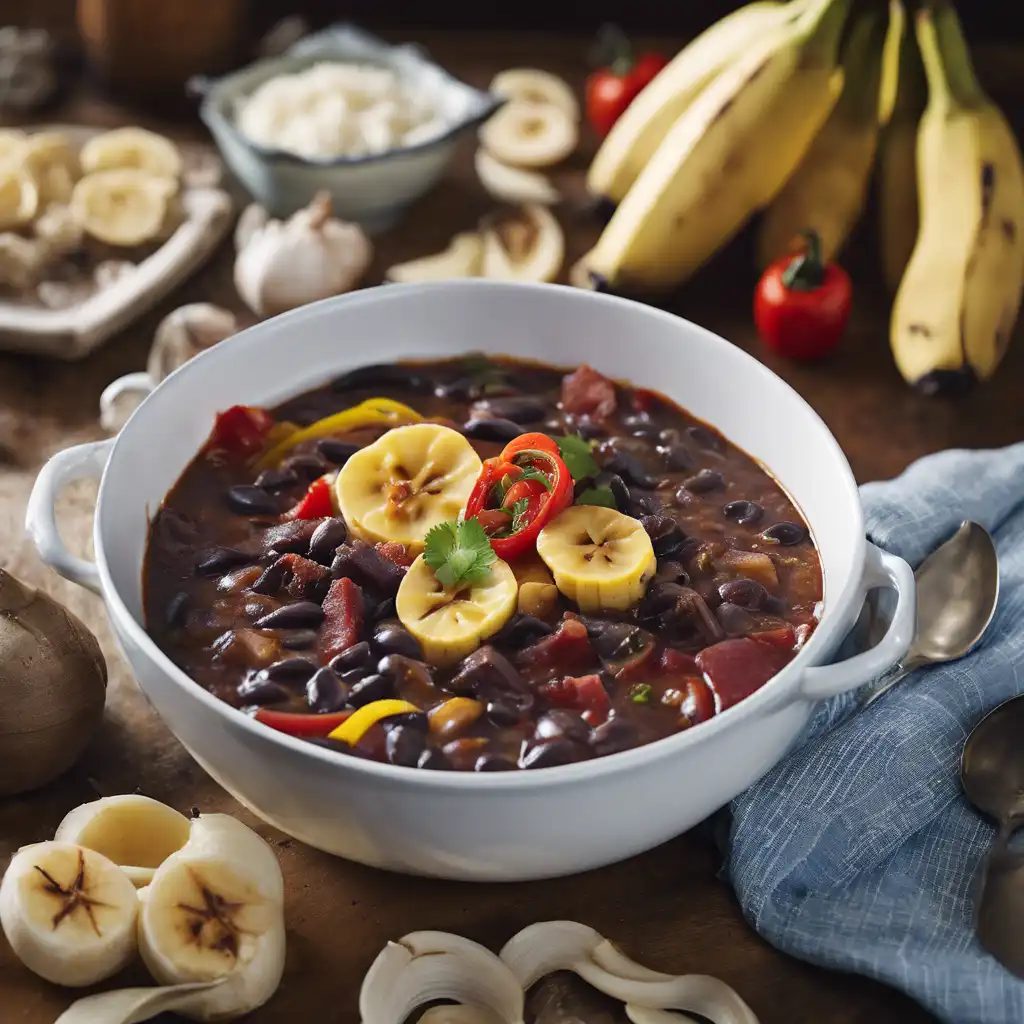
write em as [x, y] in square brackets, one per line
[576, 454]
[518, 512]
[533, 473]
[602, 496]
[459, 553]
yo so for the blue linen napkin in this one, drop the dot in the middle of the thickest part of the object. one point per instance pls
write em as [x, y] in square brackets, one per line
[859, 851]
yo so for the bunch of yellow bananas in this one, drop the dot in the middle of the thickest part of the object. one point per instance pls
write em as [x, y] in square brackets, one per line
[767, 111]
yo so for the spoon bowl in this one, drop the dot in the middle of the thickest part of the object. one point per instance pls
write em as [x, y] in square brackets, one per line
[992, 764]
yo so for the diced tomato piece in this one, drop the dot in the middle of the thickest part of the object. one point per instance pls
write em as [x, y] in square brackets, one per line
[565, 651]
[315, 503]
[736, 668]
[493, 520]
[343, 618]
[305, 577]
[645, 401]
[784, 637]
[395, 552]
[698, 704]
[673, 662]
[239, 431]
[586, 392]
[585, 694]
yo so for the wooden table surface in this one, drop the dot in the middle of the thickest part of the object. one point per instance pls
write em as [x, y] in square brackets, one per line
[666, 907]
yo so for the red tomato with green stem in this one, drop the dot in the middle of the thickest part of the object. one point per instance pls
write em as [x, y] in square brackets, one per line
[619, 79]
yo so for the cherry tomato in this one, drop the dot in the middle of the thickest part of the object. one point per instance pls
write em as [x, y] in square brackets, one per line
[612, 87]
[238, 431]
[801, 304]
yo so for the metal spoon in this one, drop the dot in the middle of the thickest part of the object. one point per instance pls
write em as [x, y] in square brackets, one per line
[992, 773]
[957, 593]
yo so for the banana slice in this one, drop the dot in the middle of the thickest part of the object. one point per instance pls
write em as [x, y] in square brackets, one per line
[530, 134]
[133, 148]
[19, 198]
[215, 910]
[463, 258]
[528, 246]
[51, 160]
[513, 184]
[12, 146]
[531, 85]
[124, 207]
[451, 624]
[406, 483]
[136, 833]
[69, 913]
[600, 558]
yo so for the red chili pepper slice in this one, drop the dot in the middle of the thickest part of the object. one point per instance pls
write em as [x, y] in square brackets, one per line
[239, 431]
[315, 503]
[302, 726]
[513, 477]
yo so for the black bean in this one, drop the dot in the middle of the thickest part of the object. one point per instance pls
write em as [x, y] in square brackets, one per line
[667, 536]
[290, 670]
[786, 533]
[405, 745]
[620, 492]
[405, 671]
[370, 689]
[352, 676]
[334, 451]
[631, 469]
[408, 720]
[503, 713]
[275, 480]
[672, 572]
[560, 724]
[705, 438]
[640, 424]
[394, 638]
[736, 621]
[587, 428]
[258, 689]
[383, 610]
[676, 457]
[326, 539]
[491, 430]
[433, 759]
[548, 755]
[517, 408]
[486, 669]
[218, 561]
[325, 691]
[291, 538]
[299, 639]
[746, 593]
[703, 481]
[365, 565]
[272, 578]
[355, 656]
[744, 512]
[646, 505]
[775, 605]
[300, 615]
[305, 465]
[493, 763]
[177, 610]
[619, 643]
[386, 375]
[613, 736]
[521, 631]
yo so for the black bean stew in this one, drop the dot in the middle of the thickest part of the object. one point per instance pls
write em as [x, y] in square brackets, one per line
[258, 588]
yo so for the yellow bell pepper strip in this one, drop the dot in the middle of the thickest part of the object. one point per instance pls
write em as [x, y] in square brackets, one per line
[367, 414]
[352, 730]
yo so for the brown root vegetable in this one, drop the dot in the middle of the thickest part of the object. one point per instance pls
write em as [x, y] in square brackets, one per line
[53, 683]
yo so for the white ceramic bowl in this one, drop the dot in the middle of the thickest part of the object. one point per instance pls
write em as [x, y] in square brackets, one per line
[501, 826]
[372, 190]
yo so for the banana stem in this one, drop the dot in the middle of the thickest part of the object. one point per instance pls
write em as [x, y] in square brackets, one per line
[911, 87]
[947, 60]
[822, 26]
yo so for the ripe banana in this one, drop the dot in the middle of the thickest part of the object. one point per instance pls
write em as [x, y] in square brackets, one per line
[136, 833]
[451, 624]
[600, 558]
[897, 198]
[133, 148]
[123, 207]
[530, 134]
[215, 910]
[407, 482]
[959, 298]
[19, 198]
[636, 135]
[828, 189]
[69, 913]
[726, 156]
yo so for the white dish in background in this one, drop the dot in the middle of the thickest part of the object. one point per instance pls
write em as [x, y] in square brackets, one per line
[75, 331]
[503, 826]
[372, 190]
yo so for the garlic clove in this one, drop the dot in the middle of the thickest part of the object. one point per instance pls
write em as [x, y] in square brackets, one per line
[463, 258]
[132, 1005]
[645, 1015]
[252, 219]
[459, 1013]
[426, 966]
[513, 184]
[546, 947]
[527, 246]
[185, 333]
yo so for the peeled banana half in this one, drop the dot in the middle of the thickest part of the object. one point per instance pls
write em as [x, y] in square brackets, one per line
[121, 207]
[133, 149]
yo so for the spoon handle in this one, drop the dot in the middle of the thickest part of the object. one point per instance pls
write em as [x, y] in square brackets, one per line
[889, 679]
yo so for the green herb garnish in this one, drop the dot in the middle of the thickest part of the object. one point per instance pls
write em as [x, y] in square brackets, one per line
[640, 694]
[533, 473]
[577, 455]
[602, 496]
[459, 553]
[519, 509]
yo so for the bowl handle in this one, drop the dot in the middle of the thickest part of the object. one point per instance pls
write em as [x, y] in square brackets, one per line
[83, 460]
[131, 383]
[881, 569]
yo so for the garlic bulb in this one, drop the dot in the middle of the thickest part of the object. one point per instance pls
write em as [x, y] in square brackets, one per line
[53, 682]
[185, 333]
[310, 256]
